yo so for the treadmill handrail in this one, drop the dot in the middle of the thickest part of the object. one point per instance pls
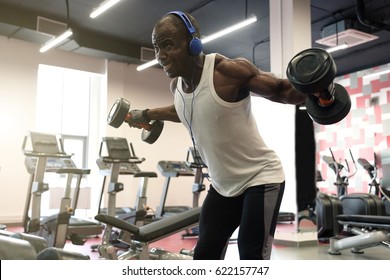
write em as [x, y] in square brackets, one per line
[71, 170]
[119, 160]
[38, 154]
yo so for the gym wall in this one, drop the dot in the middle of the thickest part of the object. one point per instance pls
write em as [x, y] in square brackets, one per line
[365, 130]
[18, 71]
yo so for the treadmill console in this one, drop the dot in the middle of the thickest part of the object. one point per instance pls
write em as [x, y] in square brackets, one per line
[125, 168]
[52, 164]
[116, 150]
[174, 168]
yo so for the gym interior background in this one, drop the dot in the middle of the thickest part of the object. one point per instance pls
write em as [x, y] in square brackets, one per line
[88, 78]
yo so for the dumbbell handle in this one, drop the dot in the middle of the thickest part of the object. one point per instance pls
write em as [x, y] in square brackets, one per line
[141, 125]
[326, 96]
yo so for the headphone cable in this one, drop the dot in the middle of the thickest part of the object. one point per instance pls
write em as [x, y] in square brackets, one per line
[197, 159]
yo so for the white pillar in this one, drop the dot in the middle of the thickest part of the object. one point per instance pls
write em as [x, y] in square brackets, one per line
[290, 33]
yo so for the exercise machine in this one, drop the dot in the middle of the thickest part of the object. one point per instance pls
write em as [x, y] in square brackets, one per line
[22, 246]
[139, 238]
[365, 203]
[192, 166]
[328, 206]
[342, 181]
[372, 171]
[174, 169]
[367, 231]
[352, 213]
[117, 157]
[45, 153]
[378, 188]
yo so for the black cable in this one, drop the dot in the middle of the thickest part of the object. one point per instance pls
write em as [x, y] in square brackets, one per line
[201, 5]
[246, 9]
[256, 45]
[67, 13]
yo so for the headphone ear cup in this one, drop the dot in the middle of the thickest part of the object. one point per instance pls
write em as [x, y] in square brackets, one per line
[195, 46]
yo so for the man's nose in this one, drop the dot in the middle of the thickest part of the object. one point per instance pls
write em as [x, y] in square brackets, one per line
[160, 55]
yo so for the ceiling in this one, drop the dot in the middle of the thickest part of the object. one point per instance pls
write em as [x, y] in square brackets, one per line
[121, 32]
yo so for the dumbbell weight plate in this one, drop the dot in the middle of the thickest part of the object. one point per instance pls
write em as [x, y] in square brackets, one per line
[333, 113]
[311, 70]
[150, 136]
[118, 112]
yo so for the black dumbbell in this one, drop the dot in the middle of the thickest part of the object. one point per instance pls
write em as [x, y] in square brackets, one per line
[312, 71]
[119, 113]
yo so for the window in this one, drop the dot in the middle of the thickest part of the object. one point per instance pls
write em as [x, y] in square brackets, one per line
[63, 107]
[63, 100]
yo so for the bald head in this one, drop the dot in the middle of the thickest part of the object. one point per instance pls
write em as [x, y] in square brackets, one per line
[176, 23]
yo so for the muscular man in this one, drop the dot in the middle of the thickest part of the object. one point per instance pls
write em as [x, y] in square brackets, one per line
[212, 100]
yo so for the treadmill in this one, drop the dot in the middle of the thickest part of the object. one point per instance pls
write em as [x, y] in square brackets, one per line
[45, 154]
[117, 158]
[192, 166]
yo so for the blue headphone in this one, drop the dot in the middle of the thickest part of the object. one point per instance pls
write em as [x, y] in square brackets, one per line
[195, 46]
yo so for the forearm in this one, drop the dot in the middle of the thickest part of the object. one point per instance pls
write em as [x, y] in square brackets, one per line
[291, 95]
[163, 114]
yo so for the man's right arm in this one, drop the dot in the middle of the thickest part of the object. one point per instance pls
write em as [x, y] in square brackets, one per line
[163, 114]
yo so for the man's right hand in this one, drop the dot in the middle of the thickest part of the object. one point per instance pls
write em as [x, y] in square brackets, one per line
[138, 118]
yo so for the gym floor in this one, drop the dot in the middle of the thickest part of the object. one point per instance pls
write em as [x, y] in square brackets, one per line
[314, 251]
[311, 250]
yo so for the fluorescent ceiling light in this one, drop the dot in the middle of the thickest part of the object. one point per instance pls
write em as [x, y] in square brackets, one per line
[337, 48]
[210, 38]
[302, 107]
[103, 7]
[386, 71]
[56, 41]
[230, 29]
[147, 65]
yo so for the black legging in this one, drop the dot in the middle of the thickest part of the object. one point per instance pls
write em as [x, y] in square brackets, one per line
[255, 212]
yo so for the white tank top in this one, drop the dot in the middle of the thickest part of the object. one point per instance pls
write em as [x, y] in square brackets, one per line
[227, 137]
